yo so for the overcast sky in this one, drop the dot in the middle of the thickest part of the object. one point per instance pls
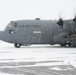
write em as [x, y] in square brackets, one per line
[30, 9]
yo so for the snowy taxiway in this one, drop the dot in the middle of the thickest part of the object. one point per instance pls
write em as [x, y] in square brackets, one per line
[37, 60]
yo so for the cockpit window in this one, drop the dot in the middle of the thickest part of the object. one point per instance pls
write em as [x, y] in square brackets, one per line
[9, 25]
[13, 24]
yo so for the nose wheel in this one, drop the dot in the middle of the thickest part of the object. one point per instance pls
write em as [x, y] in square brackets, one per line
[17, 45]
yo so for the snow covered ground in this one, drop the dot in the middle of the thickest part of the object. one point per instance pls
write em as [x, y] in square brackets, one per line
[56, 58]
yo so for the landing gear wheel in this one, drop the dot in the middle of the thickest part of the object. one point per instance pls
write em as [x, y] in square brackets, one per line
[17, 45]
[63, 45]
[69, 44]
[73, 44]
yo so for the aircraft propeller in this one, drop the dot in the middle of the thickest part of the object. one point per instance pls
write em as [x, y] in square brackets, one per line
[74, 19]
[60, 21]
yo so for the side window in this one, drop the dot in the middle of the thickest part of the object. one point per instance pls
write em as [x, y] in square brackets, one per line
[11, 32]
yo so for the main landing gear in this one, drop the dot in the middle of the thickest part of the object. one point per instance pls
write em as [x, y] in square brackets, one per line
[71, 43]
[63, 45]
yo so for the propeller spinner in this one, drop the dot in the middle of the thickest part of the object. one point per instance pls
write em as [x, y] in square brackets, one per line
[60, 22]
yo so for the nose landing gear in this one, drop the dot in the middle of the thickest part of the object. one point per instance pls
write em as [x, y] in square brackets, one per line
[17, 45]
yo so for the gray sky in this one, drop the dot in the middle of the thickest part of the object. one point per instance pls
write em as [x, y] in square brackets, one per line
[30, 9]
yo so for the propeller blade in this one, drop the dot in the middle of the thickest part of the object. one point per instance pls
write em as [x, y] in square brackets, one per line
[74, 19]
[60, 13]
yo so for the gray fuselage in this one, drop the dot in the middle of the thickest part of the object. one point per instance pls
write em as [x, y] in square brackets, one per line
[36, 32]
[32, 32]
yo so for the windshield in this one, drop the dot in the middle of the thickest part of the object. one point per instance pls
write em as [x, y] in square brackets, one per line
[11, 25]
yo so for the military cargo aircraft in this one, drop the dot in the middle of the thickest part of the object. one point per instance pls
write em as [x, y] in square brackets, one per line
[27, 32]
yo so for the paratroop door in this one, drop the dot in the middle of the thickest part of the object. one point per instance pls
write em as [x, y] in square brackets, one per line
[36, 37]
